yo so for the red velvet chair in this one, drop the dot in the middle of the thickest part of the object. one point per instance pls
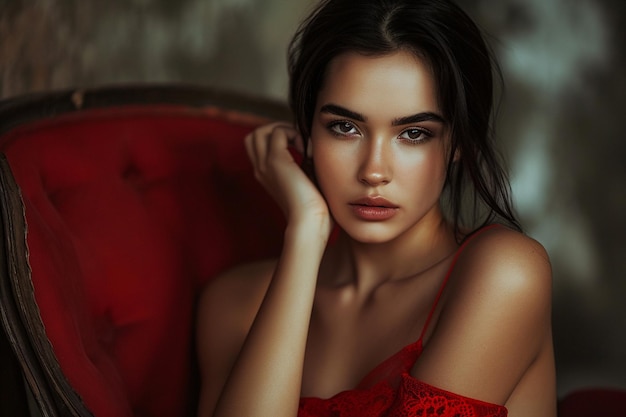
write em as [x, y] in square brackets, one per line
[118, 204]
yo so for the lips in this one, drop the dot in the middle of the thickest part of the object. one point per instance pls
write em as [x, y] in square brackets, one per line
[374, 208]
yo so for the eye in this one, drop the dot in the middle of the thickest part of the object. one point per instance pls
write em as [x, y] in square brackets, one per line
[343, 128]
[416, 135]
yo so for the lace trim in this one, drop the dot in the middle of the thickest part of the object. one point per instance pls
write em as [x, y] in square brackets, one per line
[413, 398]
[417, 398]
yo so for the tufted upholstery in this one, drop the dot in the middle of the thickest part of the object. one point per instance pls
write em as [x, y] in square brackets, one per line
[130, 210]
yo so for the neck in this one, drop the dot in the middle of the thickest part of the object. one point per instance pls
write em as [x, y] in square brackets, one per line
[366, 266]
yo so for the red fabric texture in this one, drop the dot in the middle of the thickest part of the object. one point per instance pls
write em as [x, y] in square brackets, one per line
[389, 390]
[129, 212]
[398, 394]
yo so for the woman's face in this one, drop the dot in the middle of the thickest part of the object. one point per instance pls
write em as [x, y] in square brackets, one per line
[379, 145]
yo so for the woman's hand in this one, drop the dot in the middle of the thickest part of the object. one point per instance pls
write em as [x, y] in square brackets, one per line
[236, 374]
[283, 178]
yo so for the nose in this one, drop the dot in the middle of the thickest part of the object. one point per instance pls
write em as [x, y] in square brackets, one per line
[375, 165]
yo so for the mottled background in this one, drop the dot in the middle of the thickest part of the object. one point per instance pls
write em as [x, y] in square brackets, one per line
[562, 124]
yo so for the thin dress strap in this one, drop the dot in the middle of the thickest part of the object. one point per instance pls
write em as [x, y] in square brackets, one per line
[447, 277]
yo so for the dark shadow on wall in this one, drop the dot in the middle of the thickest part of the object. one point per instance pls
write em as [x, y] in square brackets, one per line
[60, 44]
[562, 133]
[590, 318]
[235, 58]
[41, 44]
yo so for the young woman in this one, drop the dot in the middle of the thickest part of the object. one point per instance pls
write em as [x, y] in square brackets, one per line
[411, 308]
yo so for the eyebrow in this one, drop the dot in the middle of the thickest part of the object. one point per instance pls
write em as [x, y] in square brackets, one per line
[414, 118]
[342, 111]
[419, 117]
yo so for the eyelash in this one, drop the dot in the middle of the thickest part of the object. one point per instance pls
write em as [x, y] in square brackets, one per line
[335, 125]
[424, 134]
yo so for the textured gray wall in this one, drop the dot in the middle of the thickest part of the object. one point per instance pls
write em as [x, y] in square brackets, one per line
[561, 124]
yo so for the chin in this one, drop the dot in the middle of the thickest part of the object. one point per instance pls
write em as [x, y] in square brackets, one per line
[369, 234]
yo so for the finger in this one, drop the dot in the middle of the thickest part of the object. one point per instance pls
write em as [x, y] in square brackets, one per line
[258, 142]
[298, 144]
[282, 137]
[260, 138]
[249, 146]
[253, 149]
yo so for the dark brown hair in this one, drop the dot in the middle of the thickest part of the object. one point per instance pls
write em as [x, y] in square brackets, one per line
[446, 37]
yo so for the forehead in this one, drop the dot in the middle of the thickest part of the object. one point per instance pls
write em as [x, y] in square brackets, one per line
[398, 83]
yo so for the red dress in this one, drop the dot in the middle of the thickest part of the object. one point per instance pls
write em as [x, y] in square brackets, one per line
[390, 390]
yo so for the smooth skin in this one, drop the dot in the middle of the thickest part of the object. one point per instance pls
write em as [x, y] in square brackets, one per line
[318, 319]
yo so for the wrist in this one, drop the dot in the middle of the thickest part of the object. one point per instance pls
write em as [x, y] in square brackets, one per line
[310, 230]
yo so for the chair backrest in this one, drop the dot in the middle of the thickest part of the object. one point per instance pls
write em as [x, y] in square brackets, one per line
[117, 206]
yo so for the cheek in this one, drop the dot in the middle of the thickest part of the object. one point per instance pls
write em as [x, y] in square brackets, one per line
[328, 164]
[333, 165]
[424, 174]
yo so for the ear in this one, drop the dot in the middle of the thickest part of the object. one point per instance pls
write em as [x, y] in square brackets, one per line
[309, 148]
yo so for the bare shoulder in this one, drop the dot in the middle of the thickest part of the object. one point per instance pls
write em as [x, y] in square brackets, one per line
[506, 262]
[226, 310]
[230, 300]
[239, 283]
[503, 275]
[500, 249]
[495, 320]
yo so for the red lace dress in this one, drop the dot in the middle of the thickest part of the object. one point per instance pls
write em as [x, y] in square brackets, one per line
[390, 390]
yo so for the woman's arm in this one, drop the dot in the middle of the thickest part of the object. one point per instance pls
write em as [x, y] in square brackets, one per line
[265, 378]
